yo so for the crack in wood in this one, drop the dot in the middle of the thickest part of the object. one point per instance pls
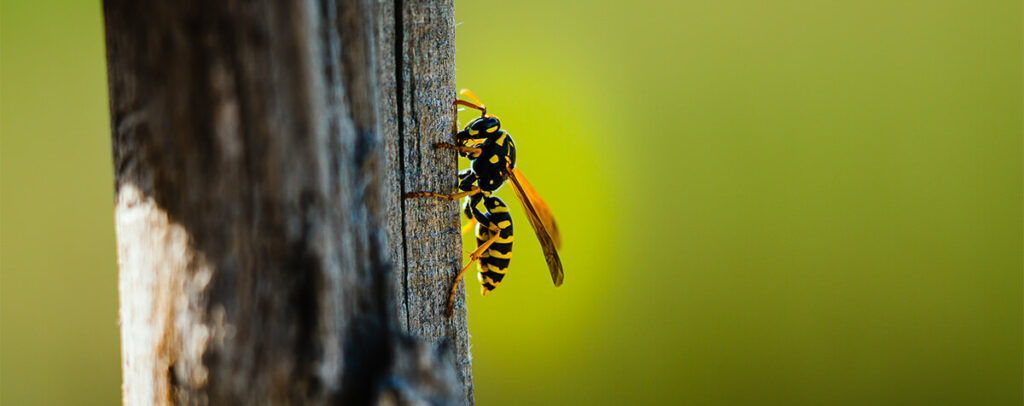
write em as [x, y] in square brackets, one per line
[260, 149]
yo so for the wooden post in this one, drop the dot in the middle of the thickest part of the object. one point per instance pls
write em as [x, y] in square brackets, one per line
[425, 239]
[260, 149]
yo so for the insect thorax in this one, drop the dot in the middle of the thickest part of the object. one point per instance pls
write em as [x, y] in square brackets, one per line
[496, 153]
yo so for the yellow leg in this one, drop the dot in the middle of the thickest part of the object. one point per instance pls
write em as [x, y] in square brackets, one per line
[457, 196]
[473, 151]
[469, 226]
[475, 255]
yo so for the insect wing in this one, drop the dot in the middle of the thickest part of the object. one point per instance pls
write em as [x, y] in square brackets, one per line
[543, 211]
[539, 227]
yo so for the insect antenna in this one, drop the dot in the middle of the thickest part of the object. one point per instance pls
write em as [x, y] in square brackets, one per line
[483, 110]
[471, 96]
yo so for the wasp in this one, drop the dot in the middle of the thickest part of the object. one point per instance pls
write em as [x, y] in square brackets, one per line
[492, 157]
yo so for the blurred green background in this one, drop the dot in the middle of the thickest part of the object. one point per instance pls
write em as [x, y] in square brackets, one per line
[788, 202]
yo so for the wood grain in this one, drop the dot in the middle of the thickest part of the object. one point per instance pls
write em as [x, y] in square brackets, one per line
[256, 203]
[421, 36]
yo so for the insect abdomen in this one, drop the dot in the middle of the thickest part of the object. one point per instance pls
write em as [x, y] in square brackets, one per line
[495, 260]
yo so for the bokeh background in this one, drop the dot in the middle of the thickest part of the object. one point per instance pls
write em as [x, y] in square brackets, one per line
[788, 202]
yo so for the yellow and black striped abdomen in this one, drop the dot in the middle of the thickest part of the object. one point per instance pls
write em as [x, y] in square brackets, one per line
[495, 260]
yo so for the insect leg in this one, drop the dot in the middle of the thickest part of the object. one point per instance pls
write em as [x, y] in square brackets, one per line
[473, 257]
[470, 151]
[467, 180]
[469, 225]
[454, 196]
[468, 204]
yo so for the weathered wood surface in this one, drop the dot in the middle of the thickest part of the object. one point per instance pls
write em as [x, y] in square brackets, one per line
[425, 237]
[260, 149]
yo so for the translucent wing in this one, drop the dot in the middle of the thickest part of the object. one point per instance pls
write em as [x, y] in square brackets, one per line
[543, 224]
[542, 208]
